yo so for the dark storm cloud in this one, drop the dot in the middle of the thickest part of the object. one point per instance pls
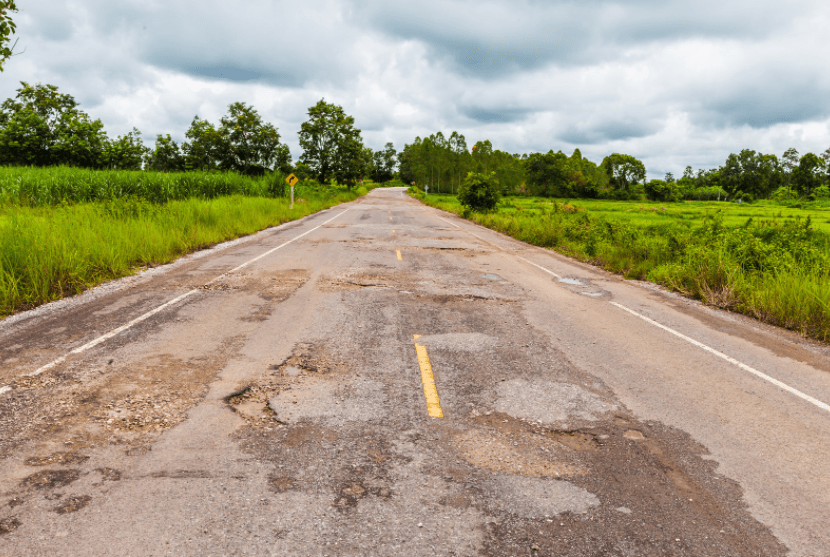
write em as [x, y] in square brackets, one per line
[494, 115]
[607, 130]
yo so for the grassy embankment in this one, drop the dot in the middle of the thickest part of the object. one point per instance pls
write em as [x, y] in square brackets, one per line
[65, 230]
[766, 261]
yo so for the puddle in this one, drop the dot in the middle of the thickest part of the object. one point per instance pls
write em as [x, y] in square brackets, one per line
[491, 276]
[573, 281]
[592, 294]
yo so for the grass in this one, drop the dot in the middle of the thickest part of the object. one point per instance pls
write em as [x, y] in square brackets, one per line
[49, 252]
[764, 260]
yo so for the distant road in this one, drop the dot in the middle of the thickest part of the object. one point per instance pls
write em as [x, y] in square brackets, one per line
[383, 378]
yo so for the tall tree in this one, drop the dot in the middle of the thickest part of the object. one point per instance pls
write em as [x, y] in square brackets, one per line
[44, 127]
[202, 151]
[126, 152]
[624, 170]
[383, 164]
[807, 175]
[248, 144]
[7, 29]
[332, 146]
[165, 157]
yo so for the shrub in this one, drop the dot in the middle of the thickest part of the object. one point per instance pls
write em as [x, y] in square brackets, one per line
[479, 192]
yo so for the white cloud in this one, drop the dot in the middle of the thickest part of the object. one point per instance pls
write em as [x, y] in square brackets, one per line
[671, 82]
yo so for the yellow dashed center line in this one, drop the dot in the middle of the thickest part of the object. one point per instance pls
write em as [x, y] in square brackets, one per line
[430, 391]
[399, 255]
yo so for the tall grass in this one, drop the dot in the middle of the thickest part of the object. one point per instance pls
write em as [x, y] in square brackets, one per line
[50, 252]
[775, 270]
[55, 185]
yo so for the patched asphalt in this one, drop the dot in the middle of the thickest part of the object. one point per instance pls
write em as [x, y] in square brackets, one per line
[281, 410]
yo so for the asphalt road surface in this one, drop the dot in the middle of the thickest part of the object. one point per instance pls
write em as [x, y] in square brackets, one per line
[398, 381]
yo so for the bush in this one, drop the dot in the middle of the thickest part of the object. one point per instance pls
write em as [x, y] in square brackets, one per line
[479, 192]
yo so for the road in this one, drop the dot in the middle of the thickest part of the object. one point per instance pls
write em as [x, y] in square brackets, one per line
[278, 396]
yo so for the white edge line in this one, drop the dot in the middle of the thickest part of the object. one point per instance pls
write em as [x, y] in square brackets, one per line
[731, 360]
[162, 307]
[538, 266]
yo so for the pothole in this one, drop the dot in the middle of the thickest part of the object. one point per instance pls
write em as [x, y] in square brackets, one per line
[57, 458]
[497, 452]
[336, 402]
[538, 498]
[50, 479]
[72, 504]
[550, 402]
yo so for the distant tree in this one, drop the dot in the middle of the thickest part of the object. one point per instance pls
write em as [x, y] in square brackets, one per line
[383, 164]
[165, 157]
[202, 151]
[789, 162]
[7, 29]
[459, 157]
[624, 170]
[332, 146]
[127, 152]
[807, 175]
[689, 173]
[248, 144]
[43, 127]
[547, 174]
[750, 173]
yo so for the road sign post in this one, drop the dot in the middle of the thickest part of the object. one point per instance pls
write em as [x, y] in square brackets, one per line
[291, 181]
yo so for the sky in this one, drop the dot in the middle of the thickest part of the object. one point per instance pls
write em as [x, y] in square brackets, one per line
[672, 82]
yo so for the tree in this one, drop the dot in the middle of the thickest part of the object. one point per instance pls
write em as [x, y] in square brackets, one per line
[202, 151]
[332, 146]
[547, 175]
[383, 163]
[750, 173]
[42, 127]
[166, 157]
[247, 144]
[7, 29]
[479, 192]
[624, 170]
[127, 152]
[807, 175]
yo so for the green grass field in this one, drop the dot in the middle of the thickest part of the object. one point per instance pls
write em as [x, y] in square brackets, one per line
[647, 213]
[65, 230]
[767, 261]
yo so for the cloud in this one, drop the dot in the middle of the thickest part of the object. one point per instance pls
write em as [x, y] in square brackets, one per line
[671, 82]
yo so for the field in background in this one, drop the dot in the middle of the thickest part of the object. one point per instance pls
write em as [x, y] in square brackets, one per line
[767, 261]
[64, 230]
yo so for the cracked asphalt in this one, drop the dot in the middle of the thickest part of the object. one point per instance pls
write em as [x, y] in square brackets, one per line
[280, 410]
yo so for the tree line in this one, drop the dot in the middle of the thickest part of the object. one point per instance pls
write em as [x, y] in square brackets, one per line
[43, 127]
[441, 163]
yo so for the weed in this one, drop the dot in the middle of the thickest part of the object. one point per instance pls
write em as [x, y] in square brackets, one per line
[776, 269]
